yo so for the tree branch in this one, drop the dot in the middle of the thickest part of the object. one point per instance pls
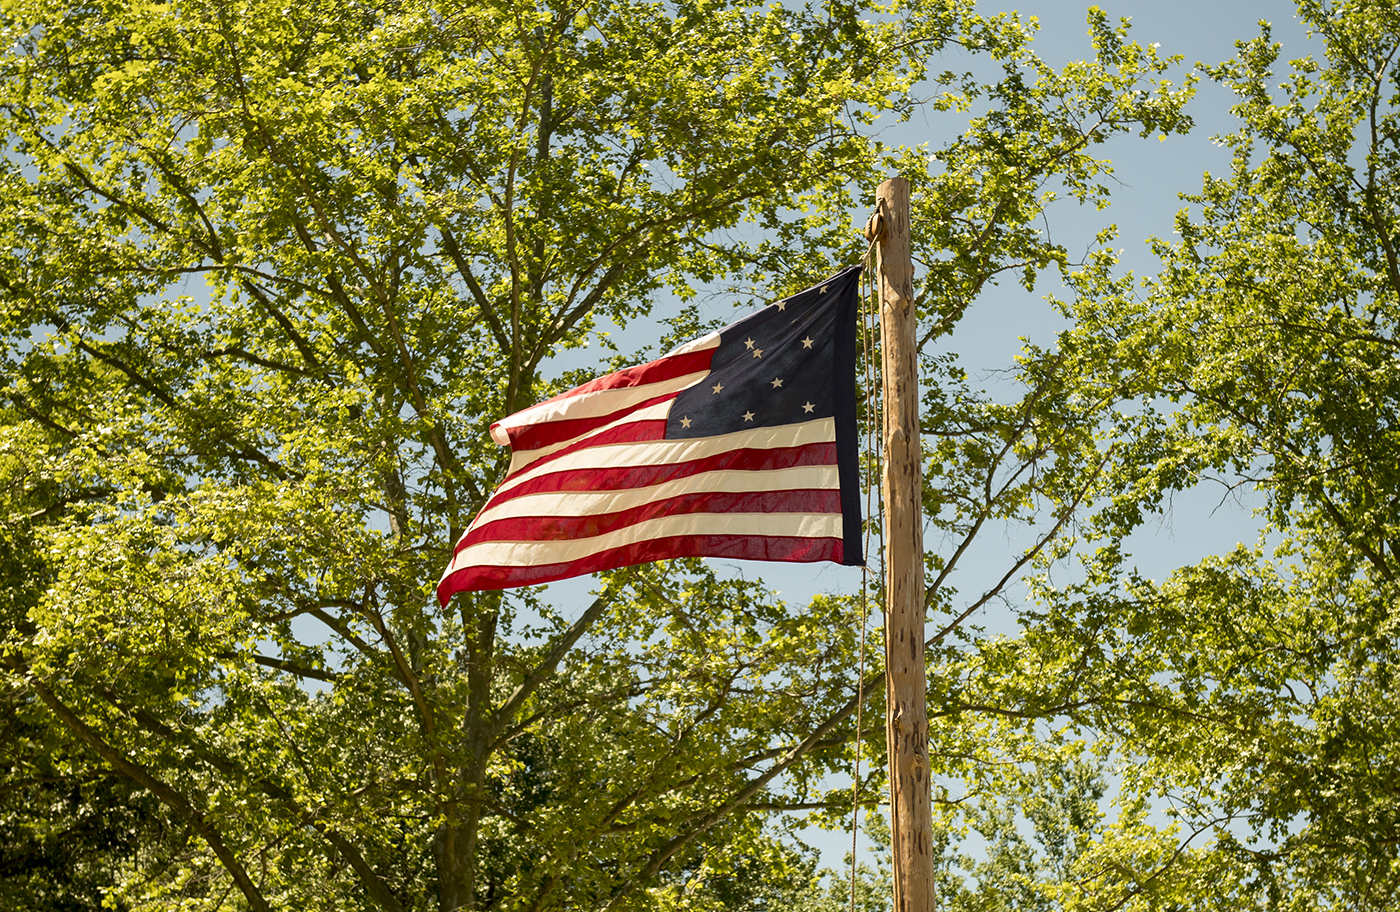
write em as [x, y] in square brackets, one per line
[167, 795]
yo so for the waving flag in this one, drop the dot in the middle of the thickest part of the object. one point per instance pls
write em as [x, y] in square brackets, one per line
[740, 444]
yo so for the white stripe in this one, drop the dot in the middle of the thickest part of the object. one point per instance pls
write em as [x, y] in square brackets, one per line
[519, 459]
[695, 345]
[564, 404]
[524, 554]
[665, 452]
[597, 404]
[592, 503]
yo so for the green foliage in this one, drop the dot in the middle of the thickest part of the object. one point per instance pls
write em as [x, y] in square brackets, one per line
[1253, 692]
[267, 273]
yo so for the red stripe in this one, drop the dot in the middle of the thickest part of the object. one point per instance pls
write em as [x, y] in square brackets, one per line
[632, 432]
[733, 547]
[547, 433]
[642, 374]
[621, 478]
[570, 528]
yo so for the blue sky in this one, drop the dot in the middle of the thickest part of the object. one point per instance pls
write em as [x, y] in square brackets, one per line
[1149, 177]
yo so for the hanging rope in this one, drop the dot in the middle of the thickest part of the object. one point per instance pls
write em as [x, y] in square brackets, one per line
[869, 325]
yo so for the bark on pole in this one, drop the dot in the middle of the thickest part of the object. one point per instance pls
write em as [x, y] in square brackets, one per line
[906, 725]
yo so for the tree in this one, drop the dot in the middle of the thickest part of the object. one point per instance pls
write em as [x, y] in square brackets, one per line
[268, 271]
[1253, 692]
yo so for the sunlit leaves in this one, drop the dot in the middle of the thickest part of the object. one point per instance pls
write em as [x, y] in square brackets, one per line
[267, 273]
[1255, 687]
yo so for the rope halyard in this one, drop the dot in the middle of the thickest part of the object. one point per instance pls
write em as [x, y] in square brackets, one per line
[869, 323]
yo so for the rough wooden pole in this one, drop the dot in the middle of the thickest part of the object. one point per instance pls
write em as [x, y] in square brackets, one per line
[906, 726]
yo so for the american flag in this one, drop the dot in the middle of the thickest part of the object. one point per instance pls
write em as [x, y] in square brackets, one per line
[740, 444]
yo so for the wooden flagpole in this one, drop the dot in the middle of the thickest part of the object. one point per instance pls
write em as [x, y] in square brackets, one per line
[906, 724]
